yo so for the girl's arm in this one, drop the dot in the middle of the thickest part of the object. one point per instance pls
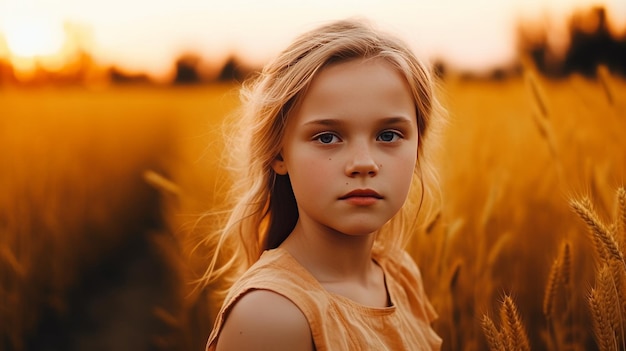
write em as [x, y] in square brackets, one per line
[264, 320]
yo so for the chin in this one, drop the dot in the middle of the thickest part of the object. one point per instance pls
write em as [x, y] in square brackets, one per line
[361, 230]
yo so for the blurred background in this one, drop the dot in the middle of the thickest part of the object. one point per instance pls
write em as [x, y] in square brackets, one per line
[110, 151]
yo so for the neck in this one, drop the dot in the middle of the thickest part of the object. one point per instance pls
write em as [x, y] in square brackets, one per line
[331, 256]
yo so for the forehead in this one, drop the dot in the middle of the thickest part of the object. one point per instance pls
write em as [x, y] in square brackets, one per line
[359, 87]
[369, 71]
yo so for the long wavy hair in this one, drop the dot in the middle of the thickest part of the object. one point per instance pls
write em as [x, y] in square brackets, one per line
[263, 210]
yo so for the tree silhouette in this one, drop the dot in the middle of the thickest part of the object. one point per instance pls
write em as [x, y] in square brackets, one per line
[187, 70]
[588, 49]
[232, 71]
[591, 43]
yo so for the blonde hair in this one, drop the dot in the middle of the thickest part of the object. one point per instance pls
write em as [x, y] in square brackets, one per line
[264, 211]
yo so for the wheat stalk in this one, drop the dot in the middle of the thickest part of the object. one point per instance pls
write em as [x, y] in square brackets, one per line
[565, 256]
[559, 276]
[605, 337]
[620, 220]
[546, 134]
[603, 76]
[541, 117]
[10, 263]
[433, 223]
[161, 183]
[551, 287]
[456, 295]
[605, 243]
[512, 326]
[606, 299]
[616, 283]
[537, 94]
[454, 276]
[619, 270]
[549, 296]
[442, 250]
[605, 285]
[493, 336]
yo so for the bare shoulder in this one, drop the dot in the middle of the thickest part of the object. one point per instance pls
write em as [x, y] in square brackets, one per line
[264, 320]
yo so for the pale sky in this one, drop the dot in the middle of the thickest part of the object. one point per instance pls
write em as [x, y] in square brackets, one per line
[146, 35]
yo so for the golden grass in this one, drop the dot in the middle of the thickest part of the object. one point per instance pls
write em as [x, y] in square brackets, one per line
[79, 209]
[87, 170]
[504, 181]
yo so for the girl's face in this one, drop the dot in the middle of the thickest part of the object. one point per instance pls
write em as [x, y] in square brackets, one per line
[350, 147]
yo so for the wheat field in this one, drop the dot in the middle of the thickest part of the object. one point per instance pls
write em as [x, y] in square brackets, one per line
[101, 189]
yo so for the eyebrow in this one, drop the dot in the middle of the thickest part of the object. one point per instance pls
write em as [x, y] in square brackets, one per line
[330, 122]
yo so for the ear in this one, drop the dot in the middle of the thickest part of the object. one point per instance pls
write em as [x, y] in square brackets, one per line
[278, 165]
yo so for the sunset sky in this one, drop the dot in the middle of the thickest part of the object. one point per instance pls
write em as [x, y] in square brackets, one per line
[147, 35]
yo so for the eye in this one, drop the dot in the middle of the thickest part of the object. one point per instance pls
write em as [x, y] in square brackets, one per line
[327, 138]
[388, 136]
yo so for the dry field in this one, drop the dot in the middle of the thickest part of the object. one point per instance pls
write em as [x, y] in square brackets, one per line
[100, 191]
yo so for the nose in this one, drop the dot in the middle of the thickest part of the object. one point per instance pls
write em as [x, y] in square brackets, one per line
[361, 162]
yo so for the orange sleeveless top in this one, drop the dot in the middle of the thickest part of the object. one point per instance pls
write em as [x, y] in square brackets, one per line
[336, 322]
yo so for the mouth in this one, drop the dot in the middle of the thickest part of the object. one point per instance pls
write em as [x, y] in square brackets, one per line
[362, 193]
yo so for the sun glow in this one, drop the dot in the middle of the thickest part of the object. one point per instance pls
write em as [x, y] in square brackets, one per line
[32, 44]
[147, 36]
[30, 36]
[33, 39]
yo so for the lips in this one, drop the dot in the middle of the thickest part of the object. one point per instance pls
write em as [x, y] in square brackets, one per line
[361, 193]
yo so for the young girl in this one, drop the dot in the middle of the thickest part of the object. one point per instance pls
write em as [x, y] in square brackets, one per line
[335, 174]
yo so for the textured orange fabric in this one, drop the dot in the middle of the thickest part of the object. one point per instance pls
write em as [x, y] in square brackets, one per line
[336, 322]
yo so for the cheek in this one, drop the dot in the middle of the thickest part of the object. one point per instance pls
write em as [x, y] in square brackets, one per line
[310, 174]
[404, 170]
